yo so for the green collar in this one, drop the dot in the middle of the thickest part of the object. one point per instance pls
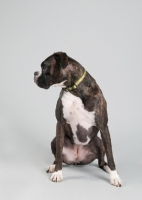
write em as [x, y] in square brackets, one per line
[76, 83]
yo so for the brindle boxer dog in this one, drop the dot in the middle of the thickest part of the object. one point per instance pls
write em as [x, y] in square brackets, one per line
[81, 113]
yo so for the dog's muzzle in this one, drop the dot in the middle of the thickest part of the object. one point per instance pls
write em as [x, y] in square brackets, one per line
[36, 75]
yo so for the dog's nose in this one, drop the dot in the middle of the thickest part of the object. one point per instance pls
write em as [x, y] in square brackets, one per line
[36, 73]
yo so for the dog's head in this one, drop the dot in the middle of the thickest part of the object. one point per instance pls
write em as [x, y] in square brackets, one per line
[51, 70]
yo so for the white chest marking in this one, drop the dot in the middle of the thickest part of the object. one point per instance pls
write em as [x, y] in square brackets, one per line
[75, 114]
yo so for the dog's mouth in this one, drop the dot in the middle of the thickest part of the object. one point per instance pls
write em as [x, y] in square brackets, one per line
[45, 83]
[35, 79]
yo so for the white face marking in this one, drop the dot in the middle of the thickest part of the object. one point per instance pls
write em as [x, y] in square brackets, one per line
[57, 176]
[36, 77]
[75, 114]
[60, 84]
[114, 177]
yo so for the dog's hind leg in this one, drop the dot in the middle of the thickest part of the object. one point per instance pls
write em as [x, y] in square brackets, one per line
[51, 168]
[101, 153]
[101, 162]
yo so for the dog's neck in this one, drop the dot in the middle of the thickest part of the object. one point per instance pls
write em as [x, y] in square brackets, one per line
[76, 83]
[73, 72]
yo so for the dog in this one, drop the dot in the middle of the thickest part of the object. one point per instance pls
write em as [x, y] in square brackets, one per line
[81, 112]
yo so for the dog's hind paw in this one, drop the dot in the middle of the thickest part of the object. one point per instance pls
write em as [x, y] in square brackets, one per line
[50, 169]
[115, 179]
[57, 176]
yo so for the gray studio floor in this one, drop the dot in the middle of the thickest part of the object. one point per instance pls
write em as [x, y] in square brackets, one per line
[23, 177]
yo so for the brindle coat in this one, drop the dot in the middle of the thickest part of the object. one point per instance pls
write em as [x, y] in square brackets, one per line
[55, 69]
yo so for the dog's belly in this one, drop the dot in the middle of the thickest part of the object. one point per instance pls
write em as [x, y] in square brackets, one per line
[78, 155]
[77, 117]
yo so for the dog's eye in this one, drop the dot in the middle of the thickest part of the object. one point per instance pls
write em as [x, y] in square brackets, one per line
[44, 67]
[47, 71]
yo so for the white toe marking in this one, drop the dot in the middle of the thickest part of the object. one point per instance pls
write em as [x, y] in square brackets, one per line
[51, 168]
[57, 176]
[114, 177]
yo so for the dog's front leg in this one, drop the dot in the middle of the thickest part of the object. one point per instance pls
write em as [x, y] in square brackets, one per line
[114, 177]
[57, 175]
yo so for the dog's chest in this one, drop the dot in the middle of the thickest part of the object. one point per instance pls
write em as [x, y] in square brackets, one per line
[77, 116]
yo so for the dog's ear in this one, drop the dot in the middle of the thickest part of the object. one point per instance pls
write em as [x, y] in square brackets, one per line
[61, 58]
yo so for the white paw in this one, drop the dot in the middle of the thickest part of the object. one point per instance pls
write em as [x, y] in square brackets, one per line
[50, 169]
[115, 179]
[57, 176]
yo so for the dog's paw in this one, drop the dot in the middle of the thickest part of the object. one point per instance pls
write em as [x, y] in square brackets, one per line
[115, 179]
[50, 169]
[57, 176]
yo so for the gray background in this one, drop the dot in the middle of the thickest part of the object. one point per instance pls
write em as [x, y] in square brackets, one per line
[105, 37]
